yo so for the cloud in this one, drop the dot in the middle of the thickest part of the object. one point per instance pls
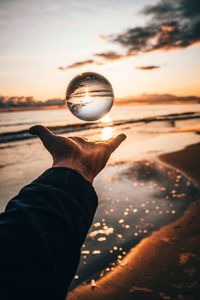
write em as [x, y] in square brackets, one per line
[77, 64]
[102, 58]
[172, 24]
[109, 55]
[148, 68]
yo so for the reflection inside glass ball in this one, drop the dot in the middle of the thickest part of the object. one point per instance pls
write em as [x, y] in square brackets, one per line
[89, 96]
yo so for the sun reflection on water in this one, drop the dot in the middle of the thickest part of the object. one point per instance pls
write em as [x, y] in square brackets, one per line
[106, 131]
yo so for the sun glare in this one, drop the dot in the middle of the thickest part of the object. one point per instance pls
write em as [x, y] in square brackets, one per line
[106, 133]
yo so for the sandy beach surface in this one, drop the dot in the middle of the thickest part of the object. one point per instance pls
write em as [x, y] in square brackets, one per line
[144, 241]
[186, 160]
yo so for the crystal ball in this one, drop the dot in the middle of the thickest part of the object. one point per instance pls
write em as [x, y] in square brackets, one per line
[89, 96]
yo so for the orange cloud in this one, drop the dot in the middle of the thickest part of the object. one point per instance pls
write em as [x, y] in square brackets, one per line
[148, 68]
[109, 55]
[77, 64]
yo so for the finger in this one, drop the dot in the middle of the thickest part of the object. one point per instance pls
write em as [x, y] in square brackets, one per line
[115, 142]
[43, 133]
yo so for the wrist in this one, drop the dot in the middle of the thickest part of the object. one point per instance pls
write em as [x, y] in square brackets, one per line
[79, 168]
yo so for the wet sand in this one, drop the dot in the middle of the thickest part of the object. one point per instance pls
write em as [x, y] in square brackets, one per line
[165, 265]
[186, 160]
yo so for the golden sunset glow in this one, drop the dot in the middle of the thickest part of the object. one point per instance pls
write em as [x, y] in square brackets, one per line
[106, 133]
[110, 90]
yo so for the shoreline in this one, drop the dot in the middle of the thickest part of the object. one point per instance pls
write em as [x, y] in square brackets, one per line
[117, 103]
[186, 160]
[159, 267]
[15, 136]
[164, 265]
[30, 108]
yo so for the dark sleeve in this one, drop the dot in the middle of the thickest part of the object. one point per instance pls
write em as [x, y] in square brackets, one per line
[41, 233]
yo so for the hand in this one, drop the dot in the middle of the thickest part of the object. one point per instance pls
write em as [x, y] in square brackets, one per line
[87, 158]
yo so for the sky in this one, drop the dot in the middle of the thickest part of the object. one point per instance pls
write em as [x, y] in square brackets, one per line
[139, 46]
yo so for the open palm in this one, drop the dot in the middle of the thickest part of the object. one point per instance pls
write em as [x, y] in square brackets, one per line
[87, 158]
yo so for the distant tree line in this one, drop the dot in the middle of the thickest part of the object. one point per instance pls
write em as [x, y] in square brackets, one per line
[22, 101]
[15, 101]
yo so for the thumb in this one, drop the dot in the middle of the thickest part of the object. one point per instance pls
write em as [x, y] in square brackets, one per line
[43, 133]
[115, 142]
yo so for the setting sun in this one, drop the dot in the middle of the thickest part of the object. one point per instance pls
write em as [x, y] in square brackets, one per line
[87, 97]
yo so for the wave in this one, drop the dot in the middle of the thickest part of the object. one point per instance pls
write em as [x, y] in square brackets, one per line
[25, 135]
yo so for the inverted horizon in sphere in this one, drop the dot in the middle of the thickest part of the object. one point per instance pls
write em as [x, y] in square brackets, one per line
[89, 96]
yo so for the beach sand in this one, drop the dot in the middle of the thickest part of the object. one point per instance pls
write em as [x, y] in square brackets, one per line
[186, 160]
[165, 265]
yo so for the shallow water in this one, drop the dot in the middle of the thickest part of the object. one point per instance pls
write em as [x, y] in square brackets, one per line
[135, 199]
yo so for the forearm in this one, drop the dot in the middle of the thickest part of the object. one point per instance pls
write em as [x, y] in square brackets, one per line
[45, 225]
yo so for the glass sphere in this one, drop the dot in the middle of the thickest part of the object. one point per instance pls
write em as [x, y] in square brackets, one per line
[89, 96]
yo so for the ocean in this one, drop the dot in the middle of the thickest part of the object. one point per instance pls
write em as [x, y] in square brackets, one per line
[15, 125]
